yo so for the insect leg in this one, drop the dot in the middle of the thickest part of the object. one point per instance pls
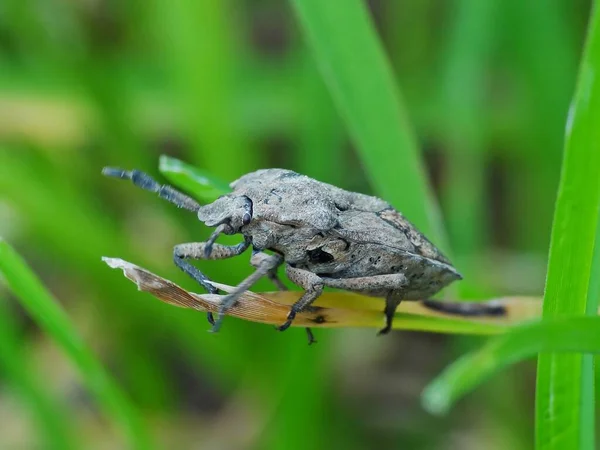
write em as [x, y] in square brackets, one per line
[389, 286]
[313, 285]
[272, 275]
[256, 260]
[391, 304]
[310, 336]
[376, 285]
[263, 267]
[148, 183]
[197, 250]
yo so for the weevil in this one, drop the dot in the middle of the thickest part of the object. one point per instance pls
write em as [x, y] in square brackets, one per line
[324, 236]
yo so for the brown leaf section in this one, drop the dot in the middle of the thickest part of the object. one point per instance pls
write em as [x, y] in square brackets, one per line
[333, 309]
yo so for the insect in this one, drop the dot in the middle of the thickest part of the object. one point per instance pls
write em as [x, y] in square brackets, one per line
[323, 235]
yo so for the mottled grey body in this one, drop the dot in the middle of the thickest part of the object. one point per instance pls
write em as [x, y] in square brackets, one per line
[335, 234]
[324, 235]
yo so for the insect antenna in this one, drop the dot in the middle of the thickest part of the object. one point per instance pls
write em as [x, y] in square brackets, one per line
[146, 182]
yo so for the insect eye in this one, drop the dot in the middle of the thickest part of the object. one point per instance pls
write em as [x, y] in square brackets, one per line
[246, 219]
[341, 206]
[319, 256]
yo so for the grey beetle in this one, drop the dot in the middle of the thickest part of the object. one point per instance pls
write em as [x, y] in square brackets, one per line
[325, 236]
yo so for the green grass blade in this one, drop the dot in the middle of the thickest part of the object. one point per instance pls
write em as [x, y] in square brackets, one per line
[562, 387]
[199, 183]
[321, 136]
[540, 35]
[53, 320]
[359, 77]
[464, 95]
[576, 334]
[200, 54]
[50, 415]
[589, 372]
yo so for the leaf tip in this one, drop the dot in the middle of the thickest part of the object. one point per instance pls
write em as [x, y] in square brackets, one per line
[435, 401]
[168, 164]
[113, 263]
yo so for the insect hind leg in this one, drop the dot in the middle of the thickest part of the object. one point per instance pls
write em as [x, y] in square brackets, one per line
[257, 256]
[313, 286]
[389, 285]
[391, 305]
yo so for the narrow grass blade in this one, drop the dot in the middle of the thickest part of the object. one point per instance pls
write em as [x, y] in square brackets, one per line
[321, 136]
[53, 320]
[464, 96]
[562, 386]
[576, 334]
[49, 414]
[199, 183]
[359, 77]
[541, 35]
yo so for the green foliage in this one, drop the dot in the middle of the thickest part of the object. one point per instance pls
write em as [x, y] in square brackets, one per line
[44, 309]
[479, 90]
[358, 74]
[578, 334]
[201, 185]
[50, 414]
[197, 41]
[565, 385]
[463, 92]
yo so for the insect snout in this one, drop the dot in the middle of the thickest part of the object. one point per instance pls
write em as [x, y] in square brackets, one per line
[232, 211]
[228, 214]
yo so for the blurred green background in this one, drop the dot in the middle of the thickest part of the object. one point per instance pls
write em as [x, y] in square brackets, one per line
[231, 86]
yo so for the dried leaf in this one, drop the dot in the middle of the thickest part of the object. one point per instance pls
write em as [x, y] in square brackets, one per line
[332, 309]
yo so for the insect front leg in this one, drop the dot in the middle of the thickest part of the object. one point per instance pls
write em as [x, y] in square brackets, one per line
[313, 286]
[390, 286]
[263, 267]
[197, 250]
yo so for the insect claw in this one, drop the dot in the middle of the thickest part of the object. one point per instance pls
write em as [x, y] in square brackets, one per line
[385, 330]
[285, 326]
[311, 337]
[210, 318]
[216, 325]
[219, 320]
[291, 316]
